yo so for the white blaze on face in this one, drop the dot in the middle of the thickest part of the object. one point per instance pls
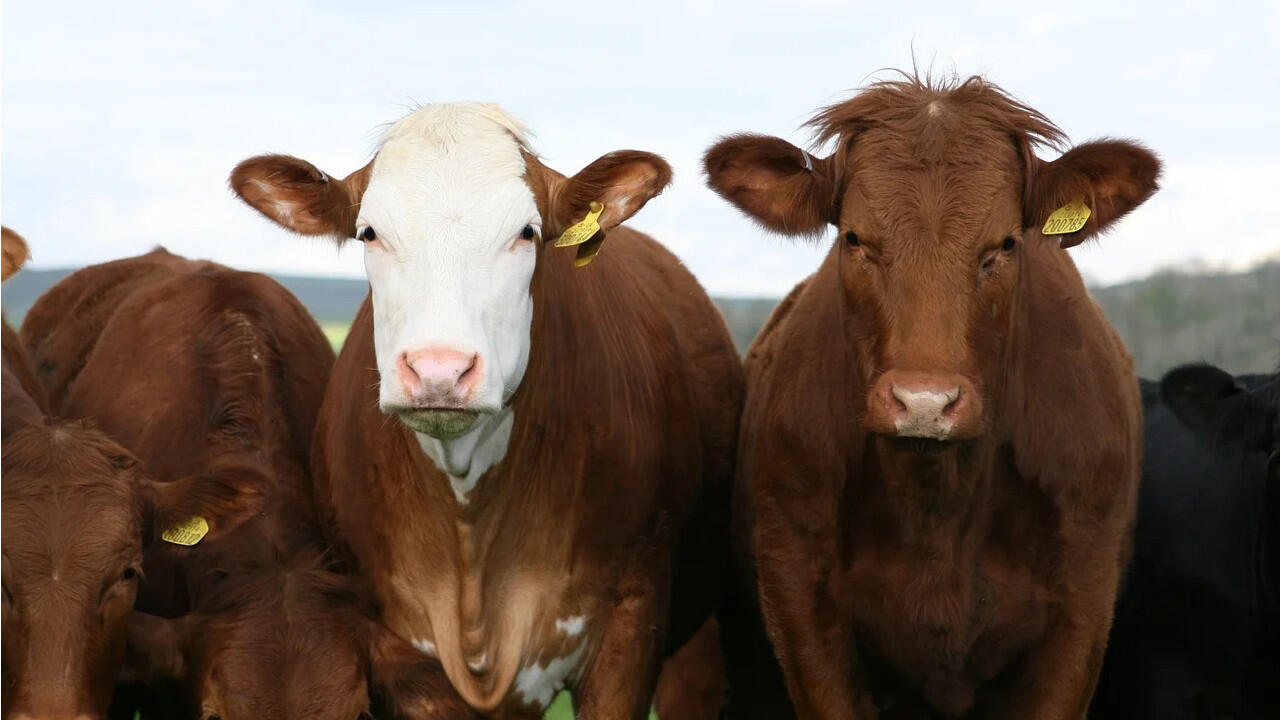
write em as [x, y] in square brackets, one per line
[449, 270]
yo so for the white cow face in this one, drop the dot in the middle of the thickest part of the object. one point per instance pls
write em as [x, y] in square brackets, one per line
[452, 211]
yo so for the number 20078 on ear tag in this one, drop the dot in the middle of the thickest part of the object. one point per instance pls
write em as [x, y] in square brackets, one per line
[1066, 219]
[188, 533]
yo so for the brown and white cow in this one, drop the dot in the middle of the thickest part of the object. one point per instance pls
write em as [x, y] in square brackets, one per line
[942, 435]
[206, 371]
[77, 509]
[550, 509]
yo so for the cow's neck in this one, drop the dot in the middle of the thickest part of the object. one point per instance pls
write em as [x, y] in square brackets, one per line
[932, 490]
[466, 458]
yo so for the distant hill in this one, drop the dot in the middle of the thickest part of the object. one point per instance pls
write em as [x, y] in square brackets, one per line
[1231, 320]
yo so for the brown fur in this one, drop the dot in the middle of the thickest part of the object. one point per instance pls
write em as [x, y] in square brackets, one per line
[213, 378]
[905, 578]
[76, 510]
[611, 501]
[692, 684]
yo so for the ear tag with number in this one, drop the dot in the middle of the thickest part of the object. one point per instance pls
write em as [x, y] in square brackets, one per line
[584, 229]
[1067, 219]
[189, 532]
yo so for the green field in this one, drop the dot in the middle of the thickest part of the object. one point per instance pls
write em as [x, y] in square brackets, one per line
[336, 333]
[562, 709]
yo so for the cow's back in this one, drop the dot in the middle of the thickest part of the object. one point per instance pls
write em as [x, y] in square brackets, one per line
[66, 321]
[194, 368]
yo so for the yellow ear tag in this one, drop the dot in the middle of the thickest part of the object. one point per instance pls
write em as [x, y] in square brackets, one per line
[188, 532]
[1066, 219]
[588, 251]
[583, 230]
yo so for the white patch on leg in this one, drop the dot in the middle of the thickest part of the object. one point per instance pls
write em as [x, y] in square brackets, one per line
[538, 684]
[426, 647]
[572, 626]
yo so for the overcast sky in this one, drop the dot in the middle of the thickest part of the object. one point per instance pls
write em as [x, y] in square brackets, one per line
[121, 121]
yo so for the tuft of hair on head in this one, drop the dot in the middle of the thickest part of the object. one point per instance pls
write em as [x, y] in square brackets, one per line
[910, 95]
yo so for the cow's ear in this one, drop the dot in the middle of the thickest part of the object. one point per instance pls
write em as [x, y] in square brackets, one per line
[407, 684]
[157, 647]
[222, 496]
[298, 196]
[15, 252]
[1216, 407]
[622, 182]
[1111, 177]
[782, 187]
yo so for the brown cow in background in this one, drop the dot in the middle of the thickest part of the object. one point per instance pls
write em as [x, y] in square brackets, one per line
[200, 369]
[76, 509]
[940, 450]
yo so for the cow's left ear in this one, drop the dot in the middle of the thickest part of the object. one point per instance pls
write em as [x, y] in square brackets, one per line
[1112, 177]
[210, 503]
[622, 182]
[1213, 404]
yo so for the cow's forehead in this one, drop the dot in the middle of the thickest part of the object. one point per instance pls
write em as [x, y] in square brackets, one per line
[468, 142]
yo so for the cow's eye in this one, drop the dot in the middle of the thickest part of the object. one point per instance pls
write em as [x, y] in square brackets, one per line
[129, 574]
[1010, 242]
[368, 235]
[527, 233]
[852, 239]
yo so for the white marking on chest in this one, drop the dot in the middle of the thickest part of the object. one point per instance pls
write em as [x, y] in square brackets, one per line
[426, 647]
[537, 684]
[572, 626]
[467, 458]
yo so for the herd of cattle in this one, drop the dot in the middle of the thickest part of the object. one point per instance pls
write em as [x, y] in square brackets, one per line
[934, 489]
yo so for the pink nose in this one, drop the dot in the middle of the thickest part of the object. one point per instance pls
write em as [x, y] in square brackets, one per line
[925, 405]
[439, 377]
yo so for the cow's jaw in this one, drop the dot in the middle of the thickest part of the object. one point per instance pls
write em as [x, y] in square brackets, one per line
[449, 273]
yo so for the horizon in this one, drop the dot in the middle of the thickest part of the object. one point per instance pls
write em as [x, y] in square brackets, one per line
[120, 125]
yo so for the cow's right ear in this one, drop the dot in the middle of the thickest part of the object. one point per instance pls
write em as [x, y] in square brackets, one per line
[224, 496]
[298, 196]
[15, 252]
[782, 187]
[156, 647]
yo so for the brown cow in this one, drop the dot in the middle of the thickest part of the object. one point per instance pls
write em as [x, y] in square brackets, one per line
[288, 639]
[550, 509]
[201, 369]
[76, 510]
[941, 442]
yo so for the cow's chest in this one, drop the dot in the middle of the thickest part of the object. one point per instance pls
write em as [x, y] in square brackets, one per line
[944, 624]
[509, 634]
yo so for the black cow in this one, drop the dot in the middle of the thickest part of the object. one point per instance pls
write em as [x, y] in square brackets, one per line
[1197, 625]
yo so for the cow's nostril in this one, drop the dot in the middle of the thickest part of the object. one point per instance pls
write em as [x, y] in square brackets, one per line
[469, 376]
[954, 403]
